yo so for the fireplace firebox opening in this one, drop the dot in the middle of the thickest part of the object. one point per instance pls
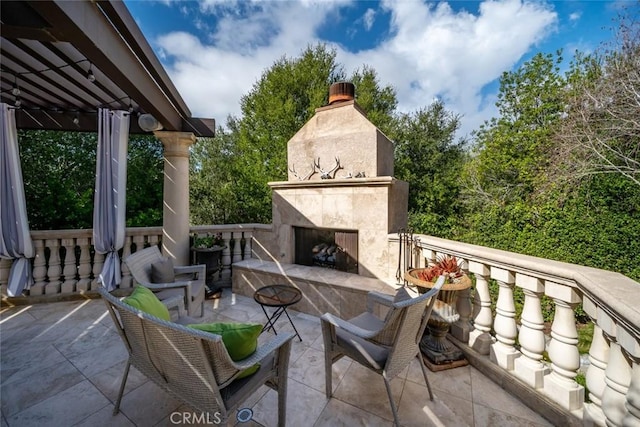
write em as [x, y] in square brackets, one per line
[327, 248]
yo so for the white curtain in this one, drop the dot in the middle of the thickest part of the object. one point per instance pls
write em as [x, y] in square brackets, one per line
[15, 239]
[110, 195]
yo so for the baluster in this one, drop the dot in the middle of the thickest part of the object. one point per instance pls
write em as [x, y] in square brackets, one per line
[503, 352]
[529, 367]
[84, 265]
[248, 238]
[563, 349]
[98, 262]
[126, 273]
[225, 274]
[595, 376]
[69, 270]
[55, 268]
[633, 397]
[480, 337]
[623, 379]
[237, 250]
[430, 257]
[138, 241]
[461, 328]
[153, 239]
[618, 380]
[39, 269]
[631, 349]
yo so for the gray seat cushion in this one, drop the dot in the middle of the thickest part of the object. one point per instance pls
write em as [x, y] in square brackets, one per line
[362, 350]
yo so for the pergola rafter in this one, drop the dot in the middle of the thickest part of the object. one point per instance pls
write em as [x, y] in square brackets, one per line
[47, 50]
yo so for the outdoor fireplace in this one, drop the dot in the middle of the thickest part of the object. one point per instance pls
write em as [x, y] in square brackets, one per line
[327, 248]
[340, 198]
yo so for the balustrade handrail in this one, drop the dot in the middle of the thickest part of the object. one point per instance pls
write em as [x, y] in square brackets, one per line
[617, 294]
[65, 262]
[143, 231]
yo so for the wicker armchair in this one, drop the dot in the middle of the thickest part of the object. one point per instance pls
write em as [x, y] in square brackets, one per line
[385, 346]
[194, 366]
[192, 290]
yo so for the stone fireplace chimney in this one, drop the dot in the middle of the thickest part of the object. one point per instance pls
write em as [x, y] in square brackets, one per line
[340, 181]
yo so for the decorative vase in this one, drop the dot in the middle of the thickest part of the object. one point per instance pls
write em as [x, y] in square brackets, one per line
[435, 345]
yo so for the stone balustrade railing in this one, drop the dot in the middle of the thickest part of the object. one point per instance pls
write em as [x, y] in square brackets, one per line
[65, 262]
[546, 365]
[549, 365]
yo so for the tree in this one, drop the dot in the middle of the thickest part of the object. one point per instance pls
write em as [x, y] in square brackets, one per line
[514, 202]
[59, 179]
[427, 156]
[253, 151]
[212, 188]
[145, 181]
[58, 170]
[278, 105]
[601, 131]
[511, 152]
[378, 102]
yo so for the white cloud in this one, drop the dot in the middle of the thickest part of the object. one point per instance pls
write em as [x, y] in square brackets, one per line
[212, 77]
[432, 51]
[369, 18]
[436, 52]
[575, 16]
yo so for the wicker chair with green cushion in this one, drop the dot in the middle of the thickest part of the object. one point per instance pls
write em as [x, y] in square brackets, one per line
[194, 366]
[150, 269]
[385, 346]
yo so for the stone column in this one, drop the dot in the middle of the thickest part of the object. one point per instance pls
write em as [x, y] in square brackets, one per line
[175, 213]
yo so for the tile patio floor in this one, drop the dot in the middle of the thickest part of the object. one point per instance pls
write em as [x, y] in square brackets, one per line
[61, 365]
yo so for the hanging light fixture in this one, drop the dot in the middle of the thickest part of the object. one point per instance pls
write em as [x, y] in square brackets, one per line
[16, 89]
[148, 123]
[90, 75]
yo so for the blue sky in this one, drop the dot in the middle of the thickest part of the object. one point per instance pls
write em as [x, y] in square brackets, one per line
[215, 50]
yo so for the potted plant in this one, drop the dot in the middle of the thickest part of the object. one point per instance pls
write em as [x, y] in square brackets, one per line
[449, 266]
[435, 346]
[207, 249]
[208, 242]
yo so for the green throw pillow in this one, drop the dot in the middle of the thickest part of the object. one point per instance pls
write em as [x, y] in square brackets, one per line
[240, 340]
[144, 300]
